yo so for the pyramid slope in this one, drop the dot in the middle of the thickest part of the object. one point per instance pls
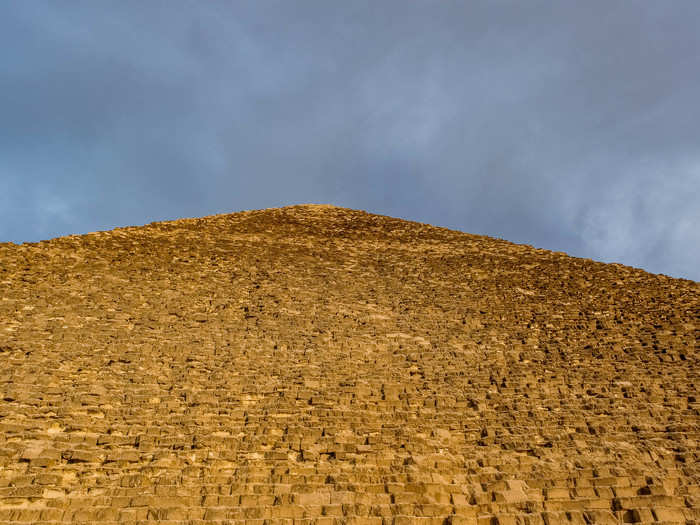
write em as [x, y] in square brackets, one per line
[315, 364]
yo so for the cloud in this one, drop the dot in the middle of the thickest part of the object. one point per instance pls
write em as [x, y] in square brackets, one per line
[646, 205]
[565, 125]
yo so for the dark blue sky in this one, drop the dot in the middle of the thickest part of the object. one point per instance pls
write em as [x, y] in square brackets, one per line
[571, 126]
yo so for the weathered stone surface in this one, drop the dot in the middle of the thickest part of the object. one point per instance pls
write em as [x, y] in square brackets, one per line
[320, 365]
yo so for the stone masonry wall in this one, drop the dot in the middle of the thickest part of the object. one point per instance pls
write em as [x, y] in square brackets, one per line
[318, 365]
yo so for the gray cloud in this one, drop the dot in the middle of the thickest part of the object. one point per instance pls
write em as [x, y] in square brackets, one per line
[570, 126]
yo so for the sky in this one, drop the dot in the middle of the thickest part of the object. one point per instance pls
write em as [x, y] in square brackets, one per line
[567, 125]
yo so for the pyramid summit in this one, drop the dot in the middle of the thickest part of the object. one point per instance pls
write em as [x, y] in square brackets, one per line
[320, 365]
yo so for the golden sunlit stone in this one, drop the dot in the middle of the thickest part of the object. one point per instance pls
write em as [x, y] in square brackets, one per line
[320, 365]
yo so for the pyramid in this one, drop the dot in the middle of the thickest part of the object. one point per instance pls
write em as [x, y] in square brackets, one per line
[321, 365]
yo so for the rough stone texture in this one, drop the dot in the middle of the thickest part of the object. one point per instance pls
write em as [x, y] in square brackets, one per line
[320, 365]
